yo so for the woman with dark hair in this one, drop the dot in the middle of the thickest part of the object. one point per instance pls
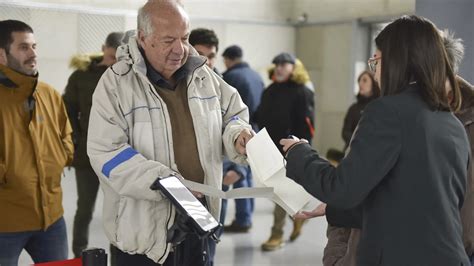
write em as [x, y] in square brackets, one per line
[368, 91]
[404, 177]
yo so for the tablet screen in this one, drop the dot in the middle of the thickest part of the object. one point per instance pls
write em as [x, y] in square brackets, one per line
[187, 200]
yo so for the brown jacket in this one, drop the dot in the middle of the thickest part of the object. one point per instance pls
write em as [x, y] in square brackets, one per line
[35, 145]
[466, 116]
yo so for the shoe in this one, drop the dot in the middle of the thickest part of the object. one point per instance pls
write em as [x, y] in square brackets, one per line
[274, 243]
[236, 228]
[297, 225]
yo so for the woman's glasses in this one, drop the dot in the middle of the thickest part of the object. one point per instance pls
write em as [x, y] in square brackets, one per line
[372, 62]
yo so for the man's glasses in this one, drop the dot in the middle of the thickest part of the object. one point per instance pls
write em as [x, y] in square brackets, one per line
[372, 62]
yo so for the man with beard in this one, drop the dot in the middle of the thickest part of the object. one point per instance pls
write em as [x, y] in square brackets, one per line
[35, 146]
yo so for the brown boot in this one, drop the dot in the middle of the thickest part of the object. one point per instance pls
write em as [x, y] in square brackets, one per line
[234, 227]
[297, 225]
[273, 243]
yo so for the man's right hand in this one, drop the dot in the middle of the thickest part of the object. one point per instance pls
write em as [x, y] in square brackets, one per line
[230, 178]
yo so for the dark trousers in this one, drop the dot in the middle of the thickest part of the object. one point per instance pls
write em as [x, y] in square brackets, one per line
[87, 187]
[191, 252]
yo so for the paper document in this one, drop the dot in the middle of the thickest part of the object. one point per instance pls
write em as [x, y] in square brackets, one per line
[238, 193]
[268, 169]
[269, 174]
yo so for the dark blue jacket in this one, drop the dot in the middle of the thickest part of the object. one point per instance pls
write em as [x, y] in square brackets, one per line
[248, 83]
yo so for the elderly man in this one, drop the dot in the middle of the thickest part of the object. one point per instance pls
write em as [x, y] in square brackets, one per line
[160, 110]
[35, 145]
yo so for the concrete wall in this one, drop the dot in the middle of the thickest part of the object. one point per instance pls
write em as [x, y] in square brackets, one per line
[334, 43]
[326, 52]
[337, 10]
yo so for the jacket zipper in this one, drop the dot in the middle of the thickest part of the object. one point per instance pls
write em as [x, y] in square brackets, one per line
[167, 224]
[150, 86]
[169, 157]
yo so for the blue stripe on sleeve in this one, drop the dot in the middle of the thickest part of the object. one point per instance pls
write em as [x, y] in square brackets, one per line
[117, 160]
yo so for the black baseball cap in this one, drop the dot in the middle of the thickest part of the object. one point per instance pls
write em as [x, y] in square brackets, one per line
[284, 58]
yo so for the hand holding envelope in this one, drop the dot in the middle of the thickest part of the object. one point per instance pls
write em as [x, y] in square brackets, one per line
[269, 173]
[268, 169]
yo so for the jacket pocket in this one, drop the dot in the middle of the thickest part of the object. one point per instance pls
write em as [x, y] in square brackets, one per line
[3, 174]
[141, 225]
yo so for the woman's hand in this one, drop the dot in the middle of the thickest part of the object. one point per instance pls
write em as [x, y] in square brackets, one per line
[318, 212]
[290, 142]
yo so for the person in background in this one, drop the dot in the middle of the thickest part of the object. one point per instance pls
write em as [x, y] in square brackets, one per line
[285, 109]
[455, 53]
[342, 242]
[78, 99]
[35, 146]
[408, 143]
[161, 111]
[368, 91]
[250, 86]
[206, 43]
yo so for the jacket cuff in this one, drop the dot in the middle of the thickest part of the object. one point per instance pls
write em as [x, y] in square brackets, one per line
[294, 161]
[351, 218]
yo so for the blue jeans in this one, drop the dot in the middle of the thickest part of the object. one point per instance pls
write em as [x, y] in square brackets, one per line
[472, 260]
[244, 207]
[43, 246]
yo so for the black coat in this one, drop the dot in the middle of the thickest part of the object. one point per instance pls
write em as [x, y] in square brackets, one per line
[406, 171]
[353, 116]
[78, 99]
[284, 110]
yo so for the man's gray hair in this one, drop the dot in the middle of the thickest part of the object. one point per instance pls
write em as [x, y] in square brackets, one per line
[144, 19]
[454, 49]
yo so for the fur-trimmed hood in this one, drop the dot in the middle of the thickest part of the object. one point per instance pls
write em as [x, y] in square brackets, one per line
[83, 61]
[300, 74]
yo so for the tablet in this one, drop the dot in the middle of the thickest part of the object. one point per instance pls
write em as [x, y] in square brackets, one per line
[187, 204]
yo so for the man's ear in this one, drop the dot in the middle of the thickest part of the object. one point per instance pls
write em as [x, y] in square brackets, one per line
[3, 57]
[141, 38]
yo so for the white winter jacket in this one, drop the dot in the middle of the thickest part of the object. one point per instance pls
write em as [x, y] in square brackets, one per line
[130, 144]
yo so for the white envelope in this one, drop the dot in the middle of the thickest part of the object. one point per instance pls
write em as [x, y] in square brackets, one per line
[268, 170]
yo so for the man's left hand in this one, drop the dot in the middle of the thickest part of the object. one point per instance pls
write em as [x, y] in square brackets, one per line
[241, 142]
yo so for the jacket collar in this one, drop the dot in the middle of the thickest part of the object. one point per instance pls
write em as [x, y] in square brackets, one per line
[131, 55]
[16, 80]
[466, 116]
[238, 65]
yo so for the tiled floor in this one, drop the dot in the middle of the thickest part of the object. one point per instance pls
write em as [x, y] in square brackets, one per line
[234, 249]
